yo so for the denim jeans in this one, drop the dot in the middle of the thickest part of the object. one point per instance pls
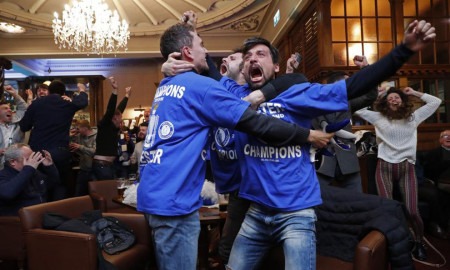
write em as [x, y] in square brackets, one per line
[264, 228]
[175, 239]
[237, 208]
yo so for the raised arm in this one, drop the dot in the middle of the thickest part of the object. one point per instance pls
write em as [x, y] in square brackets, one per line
[365, 100]
[431, 104]
[293, 62]
[80, 101]
[111, 107]
[124, 101]
[417, 36]
[29, 96]
[21, 105]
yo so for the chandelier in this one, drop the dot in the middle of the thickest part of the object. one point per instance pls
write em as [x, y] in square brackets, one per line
[89, 26]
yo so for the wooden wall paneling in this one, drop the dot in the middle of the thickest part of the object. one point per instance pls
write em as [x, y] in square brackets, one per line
[324, 33]
[397, 20]
[96, 99]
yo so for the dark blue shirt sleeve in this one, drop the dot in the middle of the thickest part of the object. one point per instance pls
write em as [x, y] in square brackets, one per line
[26, 123]
[80, 101]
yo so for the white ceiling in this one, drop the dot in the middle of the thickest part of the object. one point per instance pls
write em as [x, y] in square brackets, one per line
[222, 24]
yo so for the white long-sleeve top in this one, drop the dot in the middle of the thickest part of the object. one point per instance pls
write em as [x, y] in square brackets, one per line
[397, 139]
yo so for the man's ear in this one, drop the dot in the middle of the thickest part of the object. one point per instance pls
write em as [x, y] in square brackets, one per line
[277, 68]
[12, 162]
[186, 52]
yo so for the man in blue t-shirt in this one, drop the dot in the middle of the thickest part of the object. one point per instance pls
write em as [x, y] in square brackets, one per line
[223, 157]
[281, 181]
[172, 165]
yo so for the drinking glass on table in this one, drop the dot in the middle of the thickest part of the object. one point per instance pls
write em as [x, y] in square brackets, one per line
[132, 177]
[121, 186]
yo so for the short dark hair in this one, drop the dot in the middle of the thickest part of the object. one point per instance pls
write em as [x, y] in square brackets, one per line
[144, 124]
[3, 101]
[335, 76]
[239, 49]
[175, 38]
[43, 86]
[117, 112]
[57, 87]
[251, 42]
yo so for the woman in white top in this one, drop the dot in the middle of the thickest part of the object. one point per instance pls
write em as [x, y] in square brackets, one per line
[396, 129]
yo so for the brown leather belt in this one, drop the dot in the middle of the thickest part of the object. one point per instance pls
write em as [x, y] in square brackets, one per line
[103, 162]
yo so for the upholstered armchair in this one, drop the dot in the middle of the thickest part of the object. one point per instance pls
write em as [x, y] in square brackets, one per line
[12, 242]
[56, 250]
[102, 194]
[370, 254]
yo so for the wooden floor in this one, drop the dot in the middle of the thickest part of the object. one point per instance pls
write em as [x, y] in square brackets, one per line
[443, 246]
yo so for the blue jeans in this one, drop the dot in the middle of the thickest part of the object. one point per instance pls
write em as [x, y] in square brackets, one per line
[175, 239]
[237, 208]
[264, 228]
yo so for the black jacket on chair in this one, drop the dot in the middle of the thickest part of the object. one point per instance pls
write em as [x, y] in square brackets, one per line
[345, 217]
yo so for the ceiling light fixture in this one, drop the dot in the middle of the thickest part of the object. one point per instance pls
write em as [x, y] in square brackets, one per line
[89, 26]
[11, 28]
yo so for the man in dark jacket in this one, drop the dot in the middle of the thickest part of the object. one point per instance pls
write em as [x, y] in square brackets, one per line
[435, 165]
[343, 166]
[50, 118]
[21, 183]
[108, 135]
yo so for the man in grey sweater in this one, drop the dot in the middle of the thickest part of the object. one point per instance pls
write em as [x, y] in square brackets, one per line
[83, 143]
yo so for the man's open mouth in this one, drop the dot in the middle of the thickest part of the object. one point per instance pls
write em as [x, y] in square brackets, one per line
[223, 69]
[256, 74]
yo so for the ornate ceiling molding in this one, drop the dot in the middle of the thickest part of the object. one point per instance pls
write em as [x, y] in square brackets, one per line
[146, 18]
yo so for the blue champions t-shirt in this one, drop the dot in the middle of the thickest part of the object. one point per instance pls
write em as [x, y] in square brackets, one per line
[224, 163]
[283, 178]
[172, 165]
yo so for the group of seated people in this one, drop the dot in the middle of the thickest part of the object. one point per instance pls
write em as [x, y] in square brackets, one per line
[275, 182]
